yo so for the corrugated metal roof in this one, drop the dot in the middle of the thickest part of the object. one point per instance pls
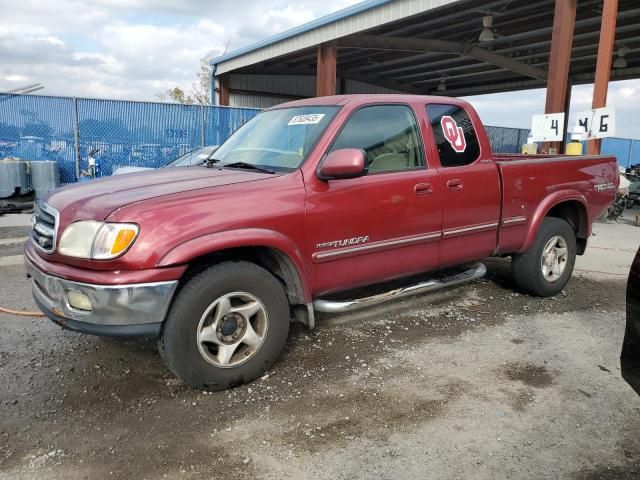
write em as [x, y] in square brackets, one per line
[357, 18]
[400, 46]
[434, 47]
[318, 22]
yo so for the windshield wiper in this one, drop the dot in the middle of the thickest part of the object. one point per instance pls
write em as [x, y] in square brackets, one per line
[210, 162]
[247, 165]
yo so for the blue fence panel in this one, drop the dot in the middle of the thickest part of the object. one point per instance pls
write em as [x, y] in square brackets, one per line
[120, 133]
[135, 133]
[221, 122]
[148, 134]
[627, 151]
[35, 127]
[505, 139]
[634, 155]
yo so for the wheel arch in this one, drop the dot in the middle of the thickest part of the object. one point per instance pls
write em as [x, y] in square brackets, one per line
[568, 206]
[575, 214]
[268, 249]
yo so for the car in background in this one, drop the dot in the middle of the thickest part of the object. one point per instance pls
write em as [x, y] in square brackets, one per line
[630, 357]
[195, 157]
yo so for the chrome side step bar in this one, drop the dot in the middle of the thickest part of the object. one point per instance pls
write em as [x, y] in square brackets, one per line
[474, 272]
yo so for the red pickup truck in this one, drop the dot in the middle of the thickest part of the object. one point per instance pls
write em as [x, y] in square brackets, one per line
[308, 199]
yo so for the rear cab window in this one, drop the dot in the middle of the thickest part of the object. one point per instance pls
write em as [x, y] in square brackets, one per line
[454, 134]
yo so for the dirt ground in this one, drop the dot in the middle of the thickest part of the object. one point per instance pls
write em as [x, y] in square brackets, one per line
[478, 382]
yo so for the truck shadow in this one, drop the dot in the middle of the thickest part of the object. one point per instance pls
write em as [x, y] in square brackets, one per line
[499, 272]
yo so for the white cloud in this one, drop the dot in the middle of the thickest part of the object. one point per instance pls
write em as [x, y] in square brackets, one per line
[132, 49]
[14, 78]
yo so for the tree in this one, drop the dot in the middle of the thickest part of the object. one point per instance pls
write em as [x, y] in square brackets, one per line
[200, 89]
[175, 94]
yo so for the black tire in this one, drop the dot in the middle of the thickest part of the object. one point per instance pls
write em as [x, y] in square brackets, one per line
[179, 345]
[526, 269]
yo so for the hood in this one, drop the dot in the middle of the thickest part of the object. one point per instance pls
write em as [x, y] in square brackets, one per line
[96, 199]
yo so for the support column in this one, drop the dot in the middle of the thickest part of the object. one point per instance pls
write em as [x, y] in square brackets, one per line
[76, 136]
[223, 92]
[603, 65]
[326, 69]
[567, 107]
[564, 21]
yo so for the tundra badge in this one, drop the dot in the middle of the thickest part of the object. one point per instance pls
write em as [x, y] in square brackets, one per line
[344, 243]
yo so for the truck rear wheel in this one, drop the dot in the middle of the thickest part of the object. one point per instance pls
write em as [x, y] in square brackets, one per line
[226, 327]
[546, 267]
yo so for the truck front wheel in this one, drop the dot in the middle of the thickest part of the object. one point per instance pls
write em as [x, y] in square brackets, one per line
[546, 267]
[226, 327]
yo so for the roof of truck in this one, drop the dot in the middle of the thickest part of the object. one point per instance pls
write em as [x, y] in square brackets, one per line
[369, 98]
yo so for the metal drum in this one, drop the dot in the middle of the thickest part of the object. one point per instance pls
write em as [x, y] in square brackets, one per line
[45, 176]
[13, 177]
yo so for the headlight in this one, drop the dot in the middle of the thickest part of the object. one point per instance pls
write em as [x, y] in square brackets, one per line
[97, 240]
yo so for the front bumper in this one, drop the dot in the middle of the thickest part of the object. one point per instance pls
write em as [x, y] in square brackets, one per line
[134, 310]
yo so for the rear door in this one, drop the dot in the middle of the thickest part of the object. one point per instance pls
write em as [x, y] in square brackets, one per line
[470, 184]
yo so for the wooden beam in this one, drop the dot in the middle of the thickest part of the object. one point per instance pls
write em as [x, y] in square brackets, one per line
[223, 85]
[383, 82]
[417, 61]
[261, 93]
[603, 64]
[564, 20]
[441, 46]
[506, 63]
[375, 42]
[342, 74]
[326, 69]
[567, 107]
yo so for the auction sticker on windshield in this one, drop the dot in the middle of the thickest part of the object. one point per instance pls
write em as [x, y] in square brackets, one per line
[308, 119]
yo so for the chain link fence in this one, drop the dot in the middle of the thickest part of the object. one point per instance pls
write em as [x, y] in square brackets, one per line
[507, 140]
[121, 133]
[151, 134]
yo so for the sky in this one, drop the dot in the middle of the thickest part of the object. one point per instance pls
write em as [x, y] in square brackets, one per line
[135, 49]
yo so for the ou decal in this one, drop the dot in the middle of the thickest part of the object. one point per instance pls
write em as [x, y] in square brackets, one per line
[453, 133]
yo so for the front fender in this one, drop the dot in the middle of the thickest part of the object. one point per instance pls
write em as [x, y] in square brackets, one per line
[544, 207]
[248, 237]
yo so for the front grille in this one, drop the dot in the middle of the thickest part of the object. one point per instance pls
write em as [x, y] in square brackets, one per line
[44, 227]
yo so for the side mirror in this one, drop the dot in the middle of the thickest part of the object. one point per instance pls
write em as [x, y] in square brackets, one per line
[343, 163]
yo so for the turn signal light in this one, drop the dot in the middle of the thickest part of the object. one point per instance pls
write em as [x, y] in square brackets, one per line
[122, 241]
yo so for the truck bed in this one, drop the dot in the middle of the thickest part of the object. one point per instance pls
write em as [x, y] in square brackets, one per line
[533, 184]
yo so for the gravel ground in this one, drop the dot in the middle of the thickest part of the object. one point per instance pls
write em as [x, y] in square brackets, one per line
[476, 382]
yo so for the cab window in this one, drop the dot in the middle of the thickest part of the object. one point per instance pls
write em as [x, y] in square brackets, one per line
[388, 135]
[454, 135]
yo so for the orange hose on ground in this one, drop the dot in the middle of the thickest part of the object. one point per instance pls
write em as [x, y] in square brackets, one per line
[21, 313]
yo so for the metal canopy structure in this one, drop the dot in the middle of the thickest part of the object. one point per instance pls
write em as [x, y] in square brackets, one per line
[441, 47]
[438, 51]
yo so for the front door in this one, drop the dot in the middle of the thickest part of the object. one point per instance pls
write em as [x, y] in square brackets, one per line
[385, 224]
[470, 184]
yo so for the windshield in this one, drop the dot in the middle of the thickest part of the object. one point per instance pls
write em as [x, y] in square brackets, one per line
[194, 157]
[276, 139]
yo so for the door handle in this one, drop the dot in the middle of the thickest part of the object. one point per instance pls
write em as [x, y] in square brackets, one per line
[422, 188]
[455, 184]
